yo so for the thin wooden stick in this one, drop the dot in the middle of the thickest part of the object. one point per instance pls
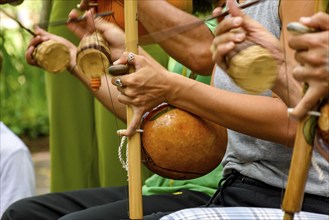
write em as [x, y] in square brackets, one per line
[134, 142]
[19, 23]
[300, 163]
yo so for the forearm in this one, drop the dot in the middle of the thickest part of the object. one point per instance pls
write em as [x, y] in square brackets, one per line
[107, 93]
[288, 89]
[258, 116]
[195, 42]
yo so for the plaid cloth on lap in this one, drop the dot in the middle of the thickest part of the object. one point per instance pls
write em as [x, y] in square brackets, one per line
[238, 213]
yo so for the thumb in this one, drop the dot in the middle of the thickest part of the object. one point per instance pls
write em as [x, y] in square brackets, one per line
[122, 60]
[307, 103]
[234, 9]
[249, 24]
[39, 30]
[134, 124]
[317, 21]
[74, 14]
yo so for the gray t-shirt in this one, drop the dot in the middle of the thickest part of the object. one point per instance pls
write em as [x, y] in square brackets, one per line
[263, 160]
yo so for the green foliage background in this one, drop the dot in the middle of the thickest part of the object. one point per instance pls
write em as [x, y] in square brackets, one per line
[22, 87]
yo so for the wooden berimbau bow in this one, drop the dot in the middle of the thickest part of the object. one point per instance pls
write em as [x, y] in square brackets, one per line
[134, 141]
[301, 158]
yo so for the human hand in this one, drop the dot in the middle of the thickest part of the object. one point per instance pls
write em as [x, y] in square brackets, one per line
[312, 52]
[232, 32]
[43, 36]
[113, 34]
[143, 89]
[84, 26]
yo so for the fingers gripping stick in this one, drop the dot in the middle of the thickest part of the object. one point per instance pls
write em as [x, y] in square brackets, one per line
[297, 28]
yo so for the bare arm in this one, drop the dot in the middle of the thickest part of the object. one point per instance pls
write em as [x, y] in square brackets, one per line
[287, 88]
[160, 15]
[258, 116]
[106, 94]
[253, 115]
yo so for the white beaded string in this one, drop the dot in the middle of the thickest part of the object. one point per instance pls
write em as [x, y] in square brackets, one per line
[123, 140]
[123, 163]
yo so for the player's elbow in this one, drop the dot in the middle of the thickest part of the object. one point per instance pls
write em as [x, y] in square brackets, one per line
[202, 63]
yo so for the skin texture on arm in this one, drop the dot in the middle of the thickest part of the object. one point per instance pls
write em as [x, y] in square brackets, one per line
[245, 28]
[115, 36]
[252, 115]
[107, 93]
[288, 89]
[197, 56]
[312, 52]
[148, 87]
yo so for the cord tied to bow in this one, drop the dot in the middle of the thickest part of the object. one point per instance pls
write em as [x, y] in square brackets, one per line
[122, 142]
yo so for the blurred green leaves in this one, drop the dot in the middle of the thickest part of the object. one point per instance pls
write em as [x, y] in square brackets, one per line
[22, 87]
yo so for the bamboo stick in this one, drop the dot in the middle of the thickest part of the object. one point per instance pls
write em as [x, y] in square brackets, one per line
[298, 173]
[134, 142]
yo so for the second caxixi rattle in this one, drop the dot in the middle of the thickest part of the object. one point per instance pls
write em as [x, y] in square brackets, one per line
[52, 56]
[93, 58]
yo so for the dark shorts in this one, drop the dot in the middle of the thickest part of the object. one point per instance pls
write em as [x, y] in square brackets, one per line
[240, 190]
